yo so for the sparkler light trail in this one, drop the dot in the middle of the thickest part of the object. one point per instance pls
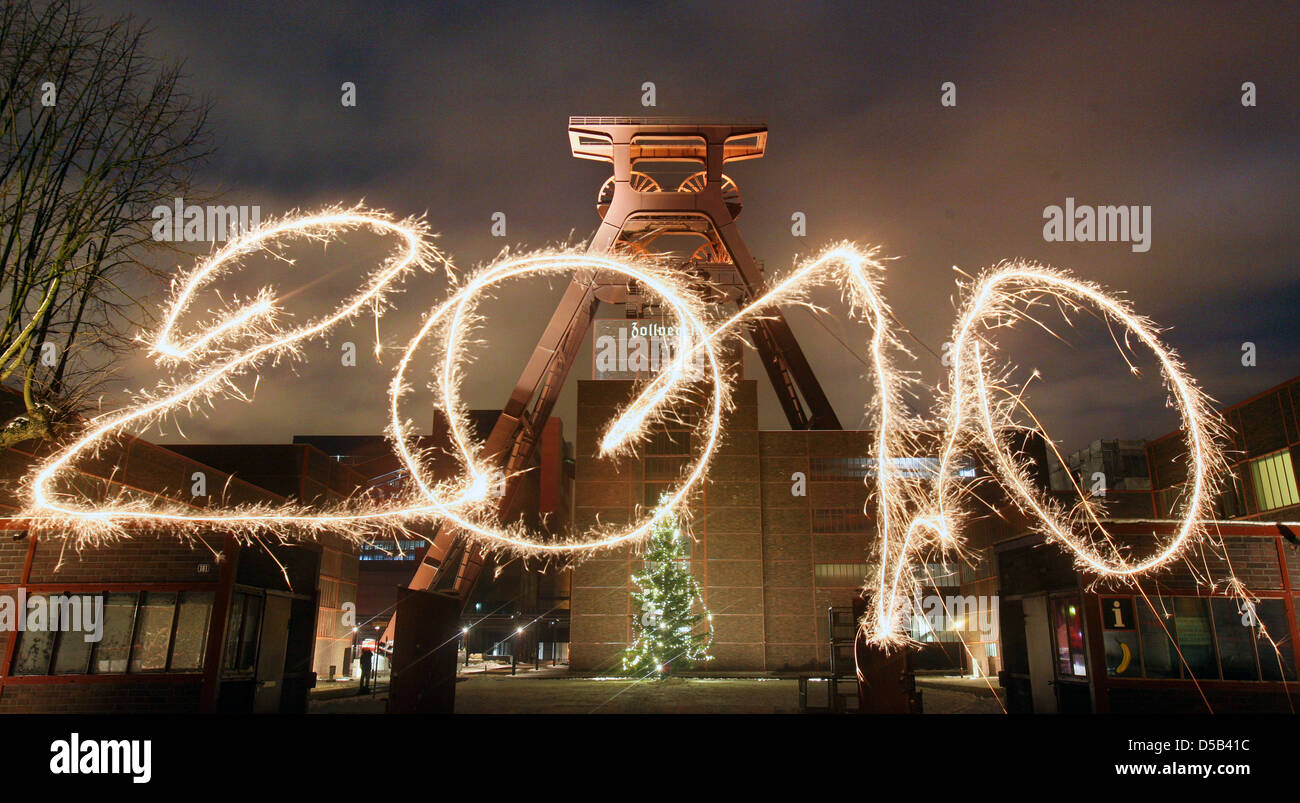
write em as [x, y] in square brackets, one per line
[238, 341]
[972, 417]
[914, 514]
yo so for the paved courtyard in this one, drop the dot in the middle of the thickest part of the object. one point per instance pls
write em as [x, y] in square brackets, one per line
[555, 692]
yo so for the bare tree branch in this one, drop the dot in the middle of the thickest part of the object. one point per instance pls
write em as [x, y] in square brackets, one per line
[94, 134]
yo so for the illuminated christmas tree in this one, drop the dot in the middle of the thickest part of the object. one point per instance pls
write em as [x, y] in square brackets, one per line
[667, 630]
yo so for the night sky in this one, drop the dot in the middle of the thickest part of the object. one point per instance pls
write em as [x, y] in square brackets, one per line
[462, 110]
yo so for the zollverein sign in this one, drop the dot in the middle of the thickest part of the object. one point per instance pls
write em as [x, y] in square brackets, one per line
[636, 349]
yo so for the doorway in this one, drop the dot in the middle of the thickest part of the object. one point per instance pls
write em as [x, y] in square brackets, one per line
[1070, 664]
[1038, 648]
[269, 678]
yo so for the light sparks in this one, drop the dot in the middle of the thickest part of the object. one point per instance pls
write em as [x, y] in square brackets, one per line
[978, 412]
[913, 514]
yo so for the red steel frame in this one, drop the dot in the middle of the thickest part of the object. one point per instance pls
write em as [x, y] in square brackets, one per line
[453, 565]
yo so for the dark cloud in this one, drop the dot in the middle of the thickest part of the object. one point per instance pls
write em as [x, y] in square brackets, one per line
[462, 111]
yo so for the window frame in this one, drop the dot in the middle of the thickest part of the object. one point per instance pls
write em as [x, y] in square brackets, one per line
[1255, 467]
[246, 593]
[171, 634]
[92, 655]
[1211, 604]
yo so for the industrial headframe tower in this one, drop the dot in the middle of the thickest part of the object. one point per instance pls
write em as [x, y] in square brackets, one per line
[636, 211]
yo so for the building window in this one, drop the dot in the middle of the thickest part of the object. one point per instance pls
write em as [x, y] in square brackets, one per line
[840, 574]
[1167, 500]
[190, 641]
[141, 632]
[665, 442]
[1195, 639]
[1135, 466]
[1237, 654]
[403, 549]
[937, 575]
[153, 632]
[1159, 653]
[331, 563]
[1274, 479]
[837, 468]
[1120, 636]
[837, 520]
[652, 493]
[119, 624]
[859, 468]
[71, 654]
[243, 631]
[925, 468]
[1218, 638]
[33, 654]
[1229, 504]
[665, 468]
[329, 594]
[1276, 649]
[976, 566]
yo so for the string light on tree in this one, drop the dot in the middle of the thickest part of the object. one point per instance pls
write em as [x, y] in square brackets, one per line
[673, 629]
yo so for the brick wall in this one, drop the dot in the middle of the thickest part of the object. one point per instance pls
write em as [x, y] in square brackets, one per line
[145, 558]
[1251, 556]
[139, 561]
[728, 521]
[755, 551]
[1256, 427]
[606, 490]
[790, 621]
[725, 522]
[13, 556]
[168, 697]
[303, 472]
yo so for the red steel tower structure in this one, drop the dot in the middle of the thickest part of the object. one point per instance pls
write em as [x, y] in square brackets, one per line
[640, 215]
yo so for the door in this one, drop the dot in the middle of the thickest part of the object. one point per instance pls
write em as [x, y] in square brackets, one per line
[1038, 646]
[269, 679]
[1070, 664]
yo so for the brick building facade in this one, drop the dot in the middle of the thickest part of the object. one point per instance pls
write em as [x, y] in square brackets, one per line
[779, 532]
[1181, 642]
[303, 473]
[197, 624]
[1264, 451]
[1073, 643]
